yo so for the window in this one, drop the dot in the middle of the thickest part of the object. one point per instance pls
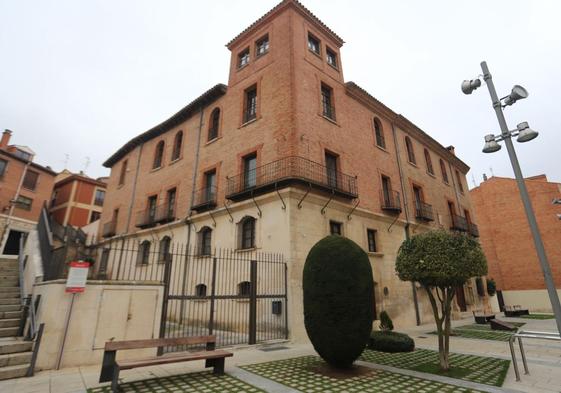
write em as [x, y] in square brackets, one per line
[151, 208]
[327, 102]
[250, 108]
[24, 203]
[331, 58]
[410, 151]
[3, 166]
[244, 288]
[250, 171]
[177, 145]
[30, 180]
[210, 186]
[335, 228]
[158, 155]
[115, 215]
[459, 179]
[243, 58]
[247, 233]
[205, 238]
[444, 172]
[418, 195]
[379, 133]
[331, 169]
[123, 172]
[313, 44]
[170, 200]
[214, 124]
[467, 216]
[200, 290]
[428, 160]
[387, 191]
[95, 216]
[451, 209]
[371, 235]
[23, 155]
[143, 253]
[99, 197]
[164, 254]
[53, 198]
[262, 46]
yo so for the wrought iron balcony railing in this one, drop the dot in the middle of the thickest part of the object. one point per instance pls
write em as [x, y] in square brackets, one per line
[109, 229]
[473, 230]
[205, 199]
[161, 214]
[459, 223]
[390, 201]
[287, 171]
[423, 211]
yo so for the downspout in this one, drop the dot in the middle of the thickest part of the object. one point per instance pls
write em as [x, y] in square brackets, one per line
[407, 224]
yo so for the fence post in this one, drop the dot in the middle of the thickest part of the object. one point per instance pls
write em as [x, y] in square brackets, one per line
[165, 300]
[212, 296]
[253, 303]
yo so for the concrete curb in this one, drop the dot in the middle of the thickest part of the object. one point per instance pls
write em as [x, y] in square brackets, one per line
[260, 382]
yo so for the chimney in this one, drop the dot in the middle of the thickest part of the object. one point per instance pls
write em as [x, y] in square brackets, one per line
[451, 149]
[5, 139]
[484, 177]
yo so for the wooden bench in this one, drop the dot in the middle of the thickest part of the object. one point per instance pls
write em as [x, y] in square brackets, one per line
[515, 311]
[111, 367]
[481, 318]
[502, 325]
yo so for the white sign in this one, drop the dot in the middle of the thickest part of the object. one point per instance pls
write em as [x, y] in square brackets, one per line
[77, 276]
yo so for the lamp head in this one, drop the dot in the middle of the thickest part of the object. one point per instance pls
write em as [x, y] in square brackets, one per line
[491, 145]
[468, 86]
[525, 133]
[517, 93]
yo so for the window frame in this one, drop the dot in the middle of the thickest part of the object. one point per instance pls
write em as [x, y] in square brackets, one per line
[428, 162]
[258, 51]
[327, 102]
[26, 181]
[243, 58]
[171, 202]
[410, 151]
[24, 205]
[164, 248]
[250, 104]
[123, 173]
[379, 133]
[200, 290]
[371, 235]
[143, 258]
[92, 214]
[444, 171]
[177, 146]
[459, 180]
[159, 155]
[214, 125]
[310, 39]
[335, 224]
[99, 201]
[244, 289]
[247, 224]
[330, 53]
[3, 167]
[205, 242]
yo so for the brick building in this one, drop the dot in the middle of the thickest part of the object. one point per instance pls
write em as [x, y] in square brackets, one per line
[25, 187]
[286, 154]
[511, 254]
[77, 199]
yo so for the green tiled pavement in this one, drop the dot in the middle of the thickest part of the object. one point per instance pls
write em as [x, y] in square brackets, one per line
[482, 332]
[482, 369]
[297, 373]
[203, 382]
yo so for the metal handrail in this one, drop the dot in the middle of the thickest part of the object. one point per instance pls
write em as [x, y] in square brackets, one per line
[459, 223]
[527, 334]
[424, 211]
[390, 200]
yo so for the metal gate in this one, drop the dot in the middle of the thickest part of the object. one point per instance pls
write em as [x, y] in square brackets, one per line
[239, 296]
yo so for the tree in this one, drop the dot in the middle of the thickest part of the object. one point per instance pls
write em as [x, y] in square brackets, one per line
[338, 296]
[441, 261]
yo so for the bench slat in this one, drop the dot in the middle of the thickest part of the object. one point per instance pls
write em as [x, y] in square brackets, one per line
[125, 365]
[158, 342]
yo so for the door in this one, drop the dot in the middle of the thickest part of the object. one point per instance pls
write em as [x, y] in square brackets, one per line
[12, 244]
[210, 185]
[461, 299]
[250, 171]
[331, 169]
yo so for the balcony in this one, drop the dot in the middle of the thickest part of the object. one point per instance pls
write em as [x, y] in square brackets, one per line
[459, 223]
[288, 171]
[109, 229]
[160, 215]
[423, 211]
[390, 201]
[473, 229]
[204, 200]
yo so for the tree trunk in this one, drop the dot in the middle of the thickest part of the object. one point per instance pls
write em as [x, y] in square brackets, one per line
[443, 343]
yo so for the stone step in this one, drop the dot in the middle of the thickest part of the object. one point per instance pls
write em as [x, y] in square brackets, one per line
[9, 301]
[9, 331]
[9, 269]
[9, 291]
[13, 371]
[9, 281]
[9, 307]
[5, 323]
[14, 359]
[8, 262]
[10, 314]
[15, 346]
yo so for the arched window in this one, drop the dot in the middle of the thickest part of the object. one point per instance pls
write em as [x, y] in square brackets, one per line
[247, 233]
[379, 133]
[143, 257]
[205, 241]
[459, 179]
[200, 290]
[428, 160]
[244, 288]
[158, 155]
[123, 172]
[444, 172]
[164, 254]
[214, 124]
[410, 151]
[177, 144]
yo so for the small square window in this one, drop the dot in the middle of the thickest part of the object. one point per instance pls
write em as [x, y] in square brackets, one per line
[30, 180]
[336, 228]
[371, 234]
[262, 46]
[243, 58]
[313, 44]
[331, 58]
[24, 203]
[3, 165]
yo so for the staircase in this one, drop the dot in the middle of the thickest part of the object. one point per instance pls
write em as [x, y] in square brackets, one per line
[15, 354]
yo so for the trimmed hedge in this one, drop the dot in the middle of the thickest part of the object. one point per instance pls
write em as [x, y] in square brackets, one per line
[391, 342]
[338, 297]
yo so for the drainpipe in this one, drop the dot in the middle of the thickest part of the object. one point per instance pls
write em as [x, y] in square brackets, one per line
[407, 224]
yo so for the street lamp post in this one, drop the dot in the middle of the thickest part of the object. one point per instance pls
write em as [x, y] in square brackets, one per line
[524, 134]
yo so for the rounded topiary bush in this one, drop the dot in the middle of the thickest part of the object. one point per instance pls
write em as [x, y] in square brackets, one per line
[338, 300]
[391, 342]
[491, 287]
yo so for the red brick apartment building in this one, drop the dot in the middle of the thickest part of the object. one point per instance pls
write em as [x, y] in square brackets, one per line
[24, 187]
[507, 240]
[286, 154]
[77, 199]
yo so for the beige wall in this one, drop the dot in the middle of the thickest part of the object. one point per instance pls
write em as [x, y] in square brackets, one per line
[105, 311]
[536, 300]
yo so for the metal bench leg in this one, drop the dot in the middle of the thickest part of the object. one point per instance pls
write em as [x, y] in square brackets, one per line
[115, 381]
[218, 366]
[523, 356]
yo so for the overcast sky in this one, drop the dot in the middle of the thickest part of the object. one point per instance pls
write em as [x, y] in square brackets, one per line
[83, 77]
